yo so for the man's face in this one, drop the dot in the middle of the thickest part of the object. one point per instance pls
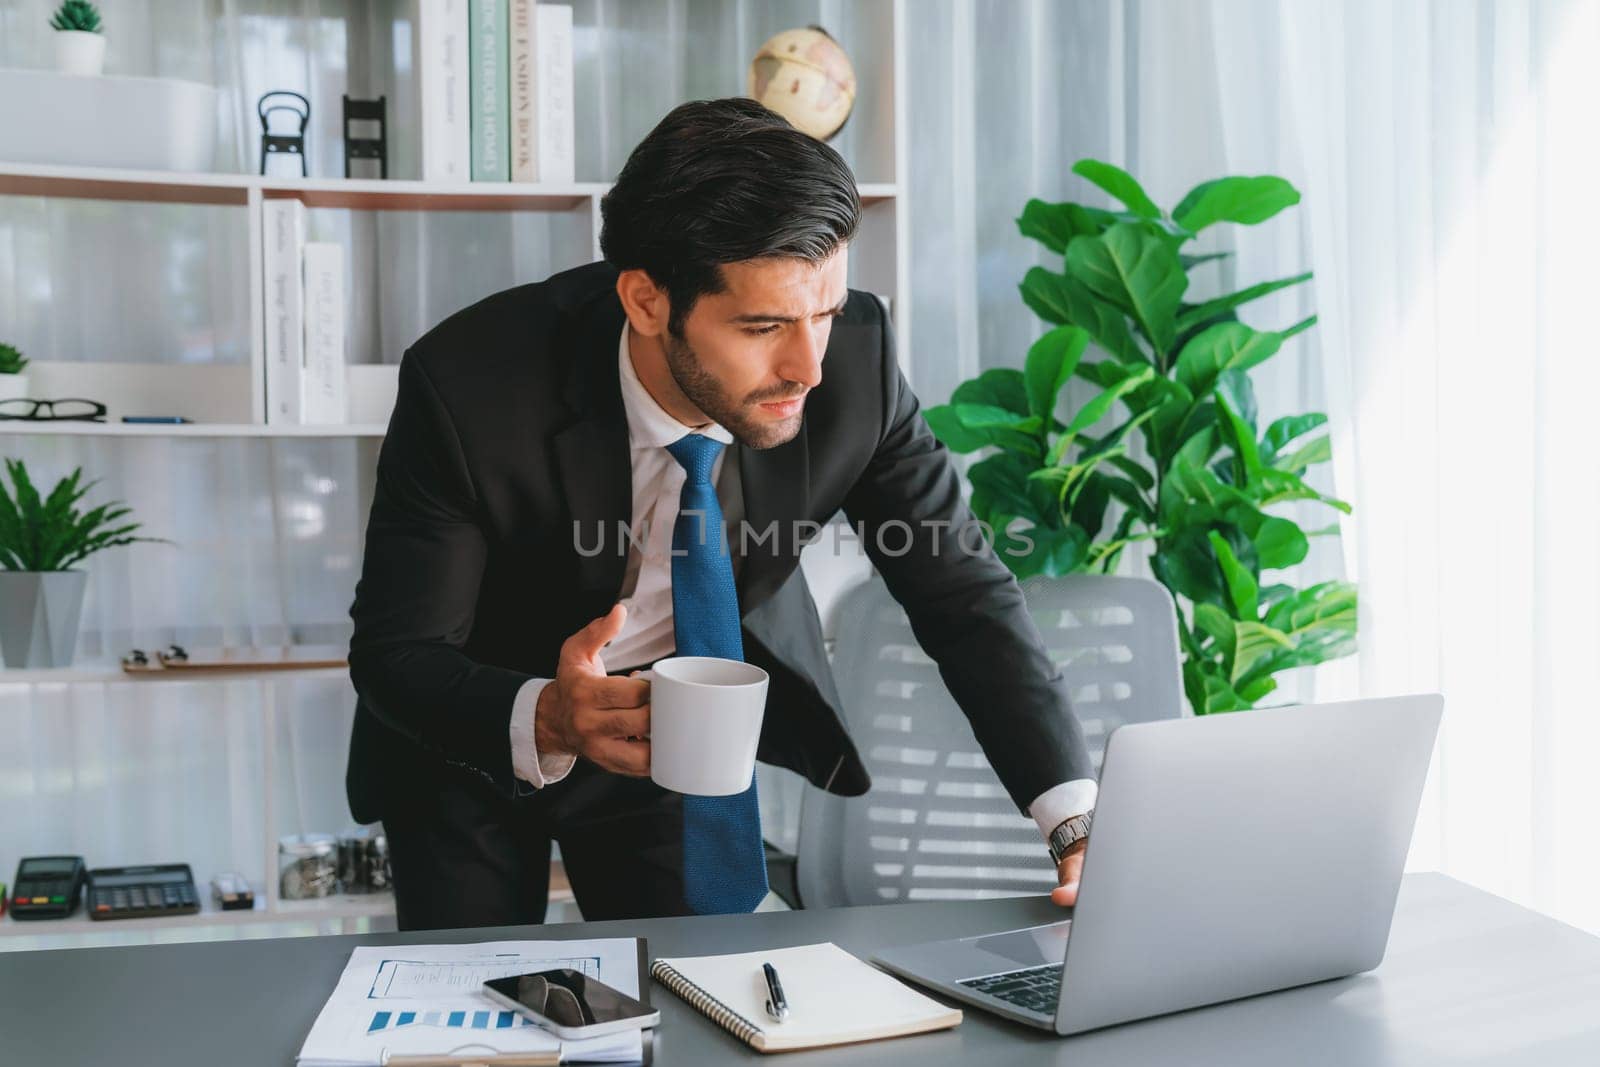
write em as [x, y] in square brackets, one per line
[749, 355]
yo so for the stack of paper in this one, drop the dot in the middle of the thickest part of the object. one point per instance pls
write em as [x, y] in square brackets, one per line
[426, 1000]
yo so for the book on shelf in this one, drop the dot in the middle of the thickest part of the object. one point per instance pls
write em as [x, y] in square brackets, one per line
[490, 62]
[283, 243]
[524, 128]
[323, 384]
[554, 148]
[443, 57]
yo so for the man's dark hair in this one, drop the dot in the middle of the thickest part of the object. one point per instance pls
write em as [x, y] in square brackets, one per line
[720, 181]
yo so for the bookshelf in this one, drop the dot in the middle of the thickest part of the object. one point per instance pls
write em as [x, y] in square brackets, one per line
[618, 79]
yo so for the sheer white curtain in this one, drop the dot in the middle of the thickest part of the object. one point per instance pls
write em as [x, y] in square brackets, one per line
[1446, 152]
[1449, 154]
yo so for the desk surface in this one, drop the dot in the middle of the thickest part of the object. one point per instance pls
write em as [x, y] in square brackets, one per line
[1469, 978]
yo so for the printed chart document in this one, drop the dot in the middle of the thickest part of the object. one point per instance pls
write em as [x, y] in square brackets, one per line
[411, 1000]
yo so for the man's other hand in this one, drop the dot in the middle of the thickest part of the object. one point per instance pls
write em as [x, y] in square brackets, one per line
[585, 712]
[1068, 873]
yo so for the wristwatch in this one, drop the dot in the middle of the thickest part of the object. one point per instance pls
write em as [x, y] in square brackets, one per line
[1069, 833]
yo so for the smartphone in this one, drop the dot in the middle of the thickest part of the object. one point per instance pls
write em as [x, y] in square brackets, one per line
[570, 1004]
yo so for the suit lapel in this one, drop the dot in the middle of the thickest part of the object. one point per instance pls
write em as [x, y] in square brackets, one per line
[592, 452]
[775, 484]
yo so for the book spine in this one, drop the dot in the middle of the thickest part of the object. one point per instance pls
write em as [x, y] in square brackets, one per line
[704, 1003]
[324, 396]
[555, 156]
[444, 82]
[490, 54]
[283, 242]
[523, 100]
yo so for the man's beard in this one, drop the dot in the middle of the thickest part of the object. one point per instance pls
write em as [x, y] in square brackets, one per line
[707, 394]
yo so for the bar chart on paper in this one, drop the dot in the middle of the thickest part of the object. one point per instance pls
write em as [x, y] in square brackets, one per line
[428, 1000]
[449, 1020]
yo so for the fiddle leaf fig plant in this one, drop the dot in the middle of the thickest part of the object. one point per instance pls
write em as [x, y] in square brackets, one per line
[1064, 495]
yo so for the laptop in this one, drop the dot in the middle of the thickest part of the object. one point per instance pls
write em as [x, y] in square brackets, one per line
[1231, 855]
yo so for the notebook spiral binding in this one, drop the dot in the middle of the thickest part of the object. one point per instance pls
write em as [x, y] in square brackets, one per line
[705, 1003]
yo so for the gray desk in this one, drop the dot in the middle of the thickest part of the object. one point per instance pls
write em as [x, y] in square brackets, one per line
[1469, 979]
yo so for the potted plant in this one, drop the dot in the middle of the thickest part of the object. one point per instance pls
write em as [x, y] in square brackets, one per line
[1173, 371]
[80, 44]
[13, 380]
[41, 538]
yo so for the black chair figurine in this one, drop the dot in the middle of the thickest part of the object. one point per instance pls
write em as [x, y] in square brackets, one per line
[284, 143]
[375, 111]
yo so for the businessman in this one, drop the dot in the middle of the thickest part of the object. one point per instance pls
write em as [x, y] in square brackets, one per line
[622, 463]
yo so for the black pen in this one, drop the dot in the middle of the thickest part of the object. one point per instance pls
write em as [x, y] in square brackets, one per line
[777, 1007]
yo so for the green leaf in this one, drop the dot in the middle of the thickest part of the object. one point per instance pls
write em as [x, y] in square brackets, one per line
[1197, 313]
[1096, 409]
[1190, 262]
[1041, 550]
[1000, 484]
[1136, 270]
[1317, 450]
[1278, 486]
[1236, 387]
[1243, 200]
[1053, 225]
[955, 434]
[1209, 693]
[1120, 184]
[1050, 363]
[1253, 643]
[1062, 299]
[1218, 625]
[1286, 429]
[1002, 387]
[1241, 584]
[1224, 347]
[1279, 543]
[1241, 439]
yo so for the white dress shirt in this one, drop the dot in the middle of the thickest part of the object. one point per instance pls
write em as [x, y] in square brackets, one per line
[647, 582]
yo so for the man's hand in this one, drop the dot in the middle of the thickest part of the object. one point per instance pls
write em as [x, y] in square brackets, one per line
[584, 712]
[1068, 873]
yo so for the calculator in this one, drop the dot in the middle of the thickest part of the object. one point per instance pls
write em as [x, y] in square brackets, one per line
[141, 892]
[46, 887]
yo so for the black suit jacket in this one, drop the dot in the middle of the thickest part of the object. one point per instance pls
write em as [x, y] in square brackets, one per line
[509, 428]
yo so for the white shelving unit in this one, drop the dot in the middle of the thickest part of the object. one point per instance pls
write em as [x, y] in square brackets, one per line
[227, 400]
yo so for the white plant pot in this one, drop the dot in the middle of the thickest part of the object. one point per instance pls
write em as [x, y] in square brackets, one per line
[78, 52]
[39, 617]
[13, 386]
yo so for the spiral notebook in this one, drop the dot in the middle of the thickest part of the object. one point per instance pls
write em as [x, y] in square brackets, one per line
[833, 998]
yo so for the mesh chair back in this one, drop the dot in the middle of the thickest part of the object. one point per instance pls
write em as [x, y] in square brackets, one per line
[937, 824]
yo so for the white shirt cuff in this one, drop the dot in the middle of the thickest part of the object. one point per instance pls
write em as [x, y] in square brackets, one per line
[1061, 802]
[538, 771]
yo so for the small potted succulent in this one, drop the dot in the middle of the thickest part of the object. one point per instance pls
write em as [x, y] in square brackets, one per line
[80, 44]
[13, 376]
[41, 538]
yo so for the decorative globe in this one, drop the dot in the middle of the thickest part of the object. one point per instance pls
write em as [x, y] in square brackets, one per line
[805, 76]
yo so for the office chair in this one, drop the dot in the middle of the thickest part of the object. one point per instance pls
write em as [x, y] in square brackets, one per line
[937, 824]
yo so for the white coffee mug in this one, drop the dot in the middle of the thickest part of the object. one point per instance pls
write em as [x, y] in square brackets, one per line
[705, 724]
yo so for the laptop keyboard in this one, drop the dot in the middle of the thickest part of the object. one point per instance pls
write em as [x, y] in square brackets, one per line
[1036, 988]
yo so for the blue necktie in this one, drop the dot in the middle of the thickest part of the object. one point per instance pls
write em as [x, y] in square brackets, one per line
[724, 862]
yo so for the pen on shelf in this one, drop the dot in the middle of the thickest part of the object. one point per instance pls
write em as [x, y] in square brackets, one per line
[777, 1007]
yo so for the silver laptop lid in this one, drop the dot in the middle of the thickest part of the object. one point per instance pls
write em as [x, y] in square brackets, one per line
[1242, 853]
